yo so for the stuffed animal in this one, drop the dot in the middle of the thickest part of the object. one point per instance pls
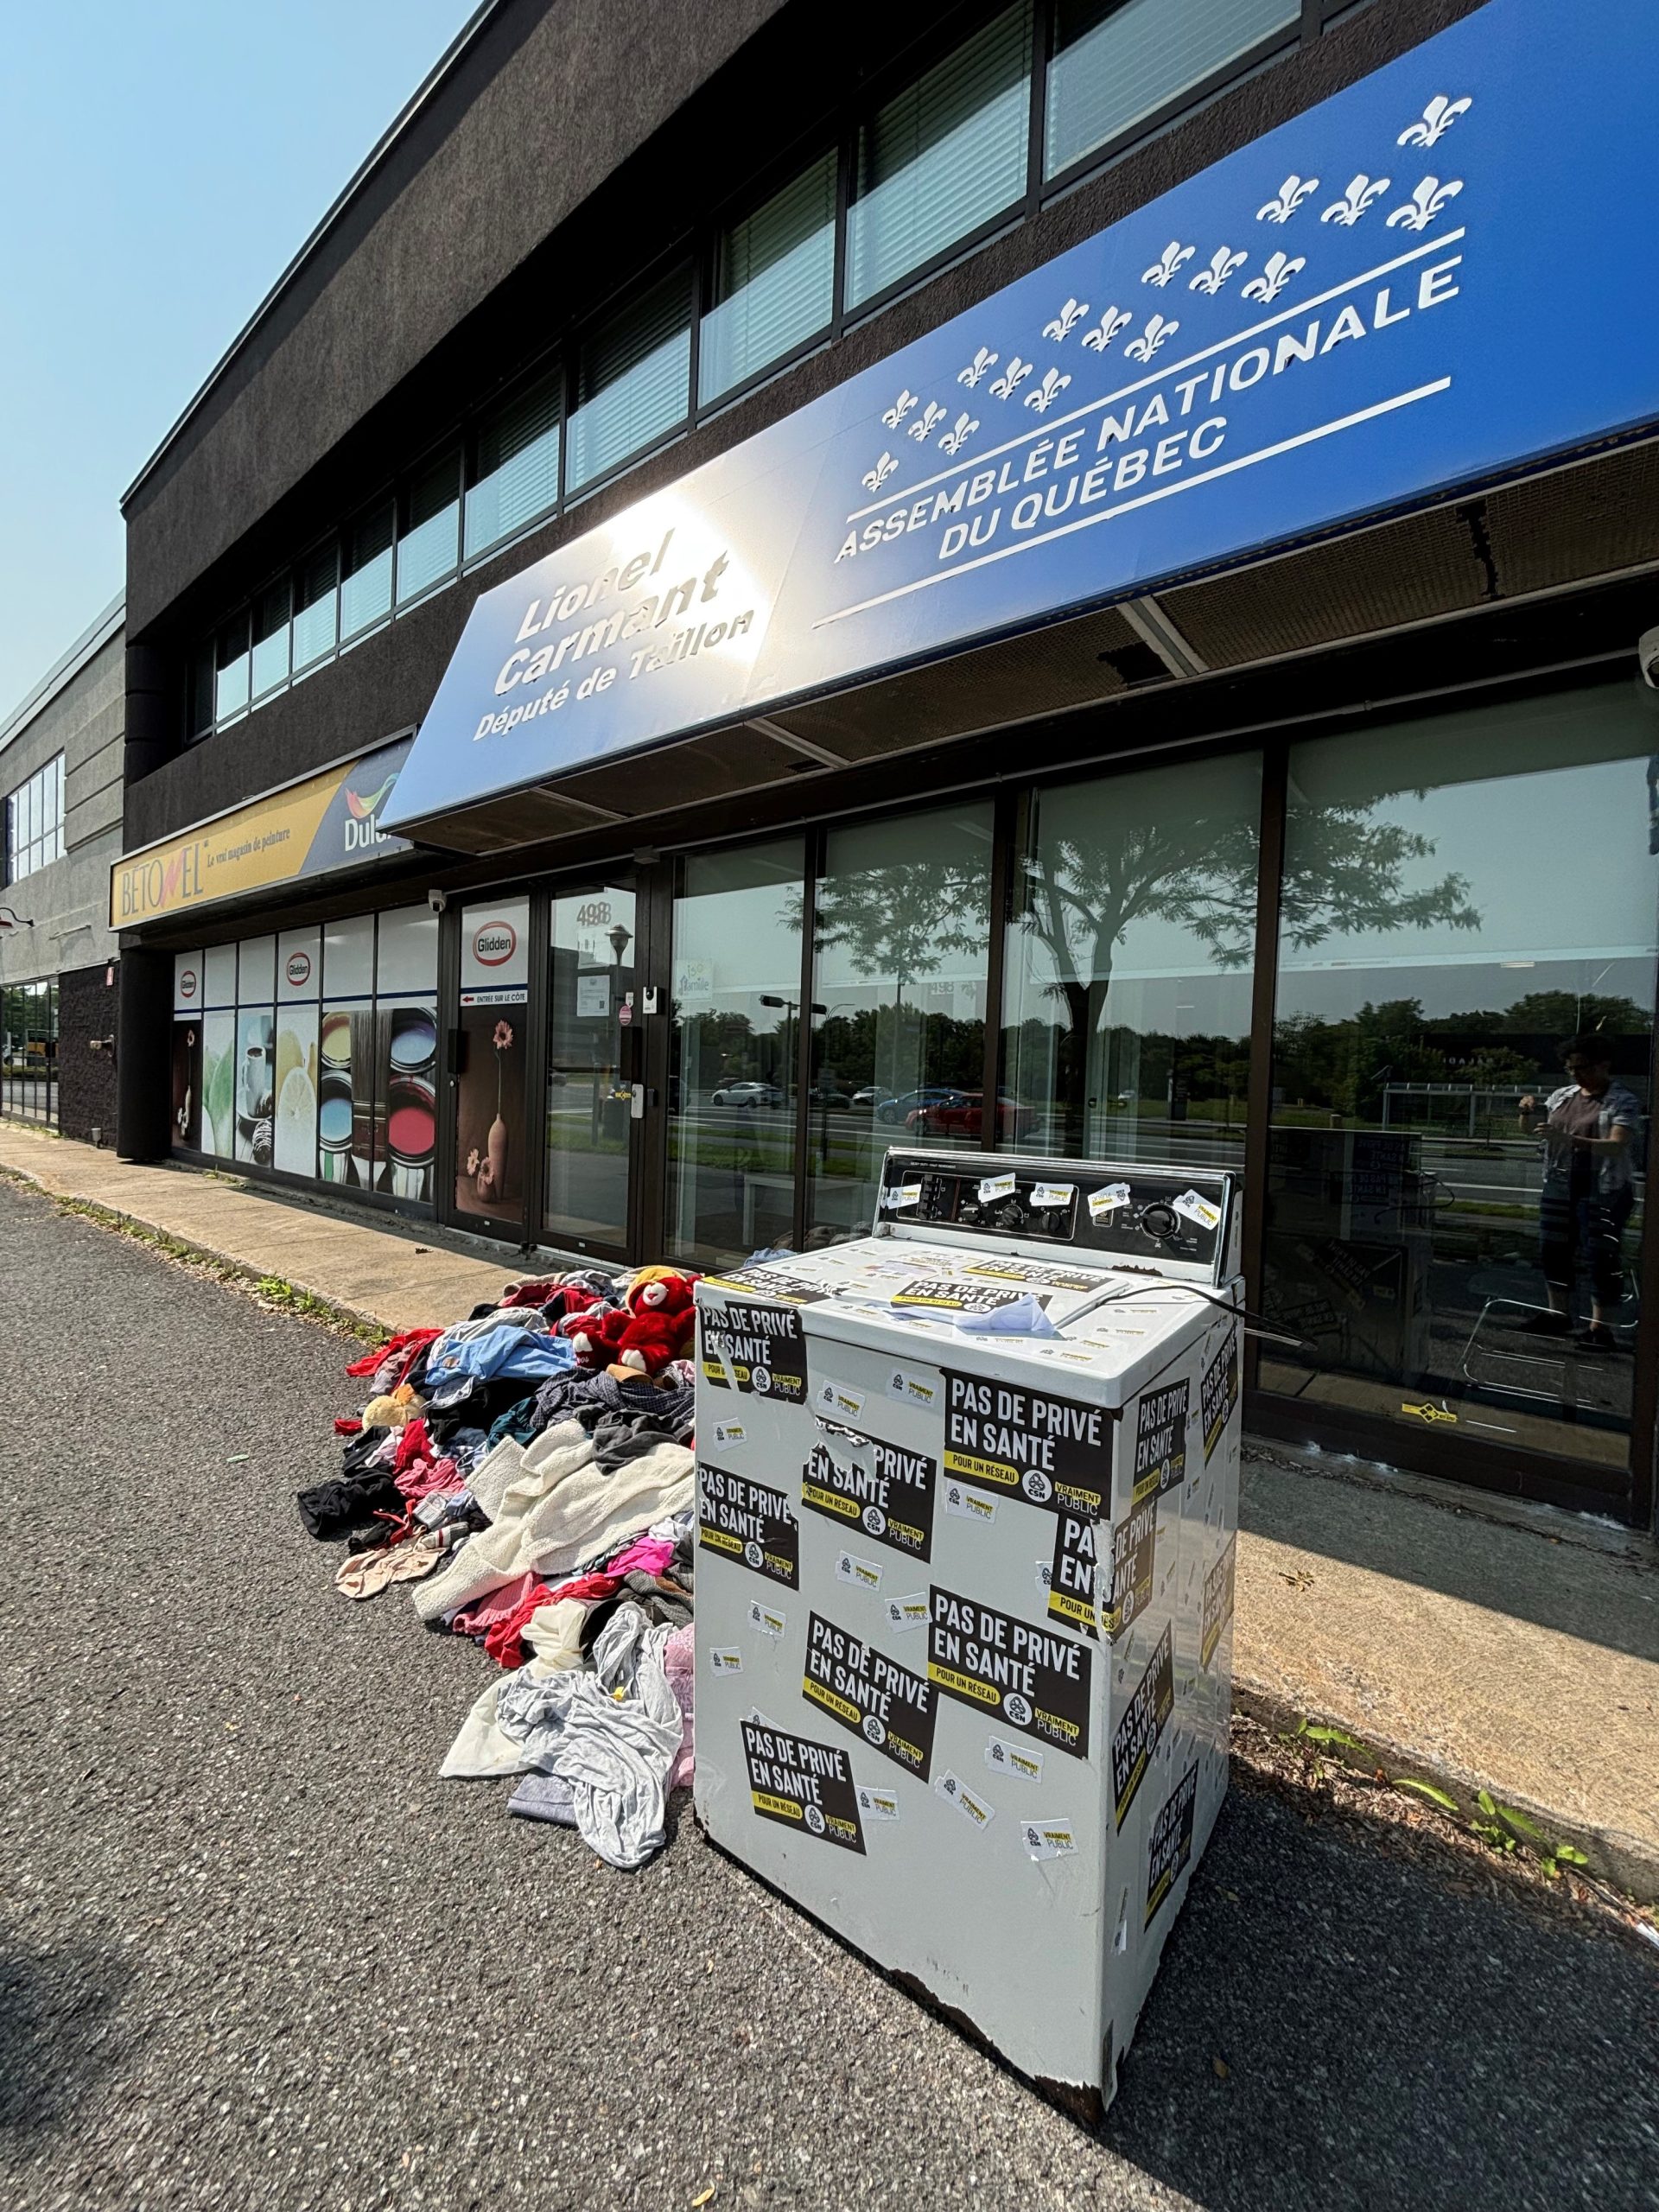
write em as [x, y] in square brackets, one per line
[652, 1325]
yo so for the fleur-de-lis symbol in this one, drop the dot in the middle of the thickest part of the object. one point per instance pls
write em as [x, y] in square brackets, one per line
[1106, 329]
[1289, 199]
[1048, 391]
[879, 476]
[958, 434]
[901, 407]
[1361, 191]
[1143, 347]
[976, 370]
[1067, 320]
[927, 421]
[1438, 118]
[1223, 264]
[1013, 376]
[1167, 263]
[1278, 272]
[1425, 203]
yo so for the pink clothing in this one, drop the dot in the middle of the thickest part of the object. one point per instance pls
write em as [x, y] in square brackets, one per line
[426, 1477]
[645, 1555]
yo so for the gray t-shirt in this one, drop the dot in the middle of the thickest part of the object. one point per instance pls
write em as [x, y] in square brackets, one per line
[1567, 1108]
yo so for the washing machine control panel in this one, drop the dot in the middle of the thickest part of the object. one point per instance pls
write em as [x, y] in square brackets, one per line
[1118, 1214]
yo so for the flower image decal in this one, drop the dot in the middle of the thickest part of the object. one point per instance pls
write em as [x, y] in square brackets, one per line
[503, 1042]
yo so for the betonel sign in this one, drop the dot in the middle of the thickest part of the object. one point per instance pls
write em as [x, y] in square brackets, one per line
[1431, 280]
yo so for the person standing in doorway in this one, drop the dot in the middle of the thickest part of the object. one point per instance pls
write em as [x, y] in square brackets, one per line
[1589, 1126]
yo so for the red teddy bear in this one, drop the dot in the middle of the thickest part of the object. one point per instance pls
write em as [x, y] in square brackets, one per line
[652, 1325]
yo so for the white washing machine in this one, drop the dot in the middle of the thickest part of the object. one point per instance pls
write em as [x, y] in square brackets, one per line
[967, 1491]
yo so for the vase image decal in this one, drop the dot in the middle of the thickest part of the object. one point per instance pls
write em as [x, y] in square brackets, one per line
[489, 1168]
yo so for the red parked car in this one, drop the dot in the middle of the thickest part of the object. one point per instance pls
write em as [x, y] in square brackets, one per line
[963, 1115]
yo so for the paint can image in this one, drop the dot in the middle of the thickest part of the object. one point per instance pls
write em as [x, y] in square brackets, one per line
[411, 1133]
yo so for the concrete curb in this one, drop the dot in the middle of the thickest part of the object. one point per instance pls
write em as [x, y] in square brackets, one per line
[1625, 1862]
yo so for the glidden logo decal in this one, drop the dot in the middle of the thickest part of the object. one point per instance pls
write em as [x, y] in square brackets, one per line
[298, 968]
[494, 943]
[187, 984]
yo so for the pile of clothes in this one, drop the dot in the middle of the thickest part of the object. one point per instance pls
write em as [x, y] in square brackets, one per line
[529, 1472]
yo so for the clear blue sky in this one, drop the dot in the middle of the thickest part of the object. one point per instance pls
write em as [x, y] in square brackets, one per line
[160, 161]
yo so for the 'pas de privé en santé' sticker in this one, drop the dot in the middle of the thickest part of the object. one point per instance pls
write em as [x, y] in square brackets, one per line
[1035, 1679]
[1218, 1391]
[760, 1350]
[1217, 1601]
[871, 1694]
[1170, 1845]
[746, 1521]
[1160, 1440]
[1073, 1583]
[1144, 1718]
[802, 1784]
[1016, 1441]
[862, 1482]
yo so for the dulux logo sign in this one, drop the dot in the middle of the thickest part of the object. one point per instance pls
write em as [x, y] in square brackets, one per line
[362, 833]
[1391, 298]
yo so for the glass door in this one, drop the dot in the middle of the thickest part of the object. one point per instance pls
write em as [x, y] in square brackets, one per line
[490, 1063]
[596, 1101]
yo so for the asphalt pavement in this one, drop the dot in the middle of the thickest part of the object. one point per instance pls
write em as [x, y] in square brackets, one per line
[253, 1952]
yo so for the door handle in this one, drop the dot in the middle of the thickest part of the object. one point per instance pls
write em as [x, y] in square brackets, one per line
[635, 1102]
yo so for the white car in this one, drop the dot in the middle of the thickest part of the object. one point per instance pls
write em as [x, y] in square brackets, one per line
[747, 1094]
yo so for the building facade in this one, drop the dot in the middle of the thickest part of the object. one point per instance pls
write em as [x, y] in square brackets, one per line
[61, 799]
[629, 709]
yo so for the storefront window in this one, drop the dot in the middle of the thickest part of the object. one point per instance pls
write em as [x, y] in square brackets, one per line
[731, 1093]
[901, 941]
[1460, 1100]
[254, 1102]
[406, 1052]
[299, 987]
[592, 1037]
[29, 1052]
[1129, 952]
[345, 1054]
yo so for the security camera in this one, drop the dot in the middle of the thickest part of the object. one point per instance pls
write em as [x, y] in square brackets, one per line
[1647, 652]
[438, 901]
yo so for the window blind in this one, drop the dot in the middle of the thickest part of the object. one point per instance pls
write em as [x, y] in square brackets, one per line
[774, 276]
[1117, 61]
[366, 588]
[429, 548]
[316, 612]
[942, 157]
[517, 467]
[633, 379]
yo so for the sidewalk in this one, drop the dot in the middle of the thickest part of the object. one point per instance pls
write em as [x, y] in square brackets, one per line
[1473, 1645]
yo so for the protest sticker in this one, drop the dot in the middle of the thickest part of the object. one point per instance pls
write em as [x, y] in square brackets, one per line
[755, 1349]
[1144, 1718]
[1160, 1440]
[748, 1522]
[1170, 1845]
[862, 1482]
[871, 1694]
[1017, 1441]
[803, 1785]
[1035, 1679]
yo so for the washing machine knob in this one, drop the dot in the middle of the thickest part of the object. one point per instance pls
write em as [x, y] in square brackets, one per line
[1160, 1222]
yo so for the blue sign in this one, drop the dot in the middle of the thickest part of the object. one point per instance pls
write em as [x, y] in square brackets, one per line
[1439, 276]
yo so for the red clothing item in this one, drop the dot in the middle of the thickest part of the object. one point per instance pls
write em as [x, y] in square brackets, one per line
[413, 1443]
[403, 1347]
[346, 1426]
[504, 1639]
